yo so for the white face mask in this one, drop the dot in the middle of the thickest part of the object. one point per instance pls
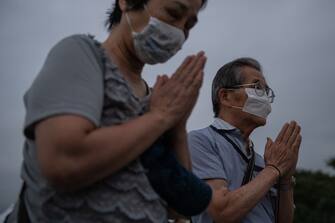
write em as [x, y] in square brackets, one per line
[256, 105]
[157, 42]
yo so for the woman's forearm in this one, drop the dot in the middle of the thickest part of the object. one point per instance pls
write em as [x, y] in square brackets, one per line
[73, 154]
[178, 142]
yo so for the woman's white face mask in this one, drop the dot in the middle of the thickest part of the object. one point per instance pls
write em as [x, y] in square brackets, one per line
[157, 42]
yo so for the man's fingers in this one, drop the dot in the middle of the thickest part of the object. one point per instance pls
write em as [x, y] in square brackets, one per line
[297, 143]
[294, 135]
[158, 83]
[268, 143]
[165, 79]
[289, 131]
[281, 133]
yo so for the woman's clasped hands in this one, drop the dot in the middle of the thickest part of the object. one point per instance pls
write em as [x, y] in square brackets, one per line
[173, 98]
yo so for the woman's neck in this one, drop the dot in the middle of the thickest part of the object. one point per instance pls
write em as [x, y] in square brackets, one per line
[117, 46]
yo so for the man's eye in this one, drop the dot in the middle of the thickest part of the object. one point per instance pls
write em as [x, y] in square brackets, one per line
[267, 90]
[258, 87]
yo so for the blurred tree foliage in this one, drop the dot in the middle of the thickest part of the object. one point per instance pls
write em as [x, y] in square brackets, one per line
[314, 196]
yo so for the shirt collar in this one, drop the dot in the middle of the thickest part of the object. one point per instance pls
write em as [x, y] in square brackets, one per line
[222, 124]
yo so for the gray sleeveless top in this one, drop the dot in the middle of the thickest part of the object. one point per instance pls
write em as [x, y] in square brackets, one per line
[90, 85]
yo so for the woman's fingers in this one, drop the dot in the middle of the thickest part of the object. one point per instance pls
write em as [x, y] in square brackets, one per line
[200, 65]
[196, 65]
[196, 84]
[198, 62]
[181, 96]
[188, 72]
[194, 79]
[179, 72]
[199, 78]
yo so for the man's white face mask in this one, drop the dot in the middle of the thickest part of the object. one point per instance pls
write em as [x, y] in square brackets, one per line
[259, 106]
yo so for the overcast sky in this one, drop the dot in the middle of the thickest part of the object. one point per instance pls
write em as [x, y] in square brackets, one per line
[293, 39]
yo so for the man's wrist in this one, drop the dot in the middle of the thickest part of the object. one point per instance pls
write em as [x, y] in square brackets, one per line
[287, 184]
[274, 172]
[286, 180]
[275, 168]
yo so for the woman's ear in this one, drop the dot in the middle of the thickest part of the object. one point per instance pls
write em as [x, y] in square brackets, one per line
[123, 5]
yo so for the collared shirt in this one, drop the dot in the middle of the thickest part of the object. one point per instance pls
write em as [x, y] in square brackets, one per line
[213, 157]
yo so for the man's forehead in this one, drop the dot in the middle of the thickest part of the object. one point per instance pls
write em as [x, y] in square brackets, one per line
[250, 74]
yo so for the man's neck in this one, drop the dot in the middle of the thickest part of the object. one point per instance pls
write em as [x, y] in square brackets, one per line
[242, 124]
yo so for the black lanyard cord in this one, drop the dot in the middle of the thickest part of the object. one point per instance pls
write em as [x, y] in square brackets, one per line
[250, 162]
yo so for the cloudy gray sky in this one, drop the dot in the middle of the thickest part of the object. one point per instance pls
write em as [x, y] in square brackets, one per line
[293, 39]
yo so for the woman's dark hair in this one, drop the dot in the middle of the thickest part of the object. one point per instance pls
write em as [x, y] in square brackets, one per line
[114, 14]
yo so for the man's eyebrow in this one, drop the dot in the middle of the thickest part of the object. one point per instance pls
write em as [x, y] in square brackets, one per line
[255, 81]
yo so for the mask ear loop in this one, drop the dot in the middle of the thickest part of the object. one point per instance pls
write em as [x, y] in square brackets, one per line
[237, 107]
[233, 106]
[129, 23]
[147, 10]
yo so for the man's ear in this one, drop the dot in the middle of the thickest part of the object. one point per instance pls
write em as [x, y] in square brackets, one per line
[224, 97]
[123, 5]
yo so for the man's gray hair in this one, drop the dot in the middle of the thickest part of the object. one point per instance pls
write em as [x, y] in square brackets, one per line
[229, 76]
